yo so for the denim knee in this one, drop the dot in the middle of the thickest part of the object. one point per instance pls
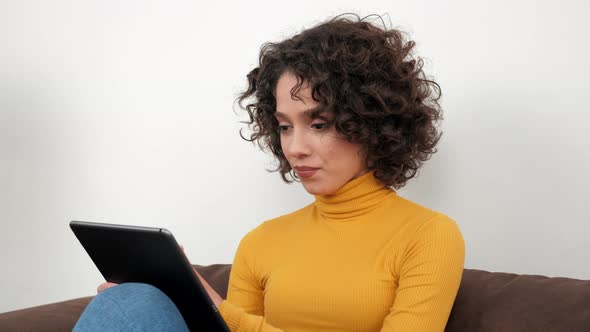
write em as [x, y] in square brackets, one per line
[134, 293]
[131, 307]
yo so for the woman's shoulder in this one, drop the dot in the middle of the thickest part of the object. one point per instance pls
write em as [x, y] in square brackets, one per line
[433, 227]
[280, 223]
[424, 221]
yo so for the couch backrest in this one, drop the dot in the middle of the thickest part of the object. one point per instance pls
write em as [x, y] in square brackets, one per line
[495, 301]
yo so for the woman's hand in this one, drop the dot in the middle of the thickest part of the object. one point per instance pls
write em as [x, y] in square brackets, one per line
[212, 293]
[104, 286]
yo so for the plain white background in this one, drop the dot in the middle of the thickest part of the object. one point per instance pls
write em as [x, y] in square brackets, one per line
[122, 112]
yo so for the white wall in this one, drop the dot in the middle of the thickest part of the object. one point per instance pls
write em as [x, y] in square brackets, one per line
[121, 111]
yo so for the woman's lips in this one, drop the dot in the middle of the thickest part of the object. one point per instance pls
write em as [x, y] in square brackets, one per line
[306, 173]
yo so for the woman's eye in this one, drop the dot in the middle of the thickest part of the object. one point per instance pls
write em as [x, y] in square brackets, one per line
[318, 126]
[322, 125]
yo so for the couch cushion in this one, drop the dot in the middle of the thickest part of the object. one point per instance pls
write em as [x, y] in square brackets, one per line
[487, 301]
[499, 301]
[59, 316]
[62, 316]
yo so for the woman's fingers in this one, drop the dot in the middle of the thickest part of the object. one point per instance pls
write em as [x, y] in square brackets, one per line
[104, 286]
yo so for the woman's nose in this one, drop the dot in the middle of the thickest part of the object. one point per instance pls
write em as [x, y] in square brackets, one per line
[298, 145]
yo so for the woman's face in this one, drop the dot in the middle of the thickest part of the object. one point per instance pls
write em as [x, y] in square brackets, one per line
[309, 142]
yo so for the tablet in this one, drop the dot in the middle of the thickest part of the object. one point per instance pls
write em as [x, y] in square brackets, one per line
[124, 253]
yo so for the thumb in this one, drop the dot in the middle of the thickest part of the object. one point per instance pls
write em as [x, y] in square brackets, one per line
[104, 286]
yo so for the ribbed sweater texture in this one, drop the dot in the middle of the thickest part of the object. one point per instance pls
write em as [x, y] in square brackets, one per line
[362, 259]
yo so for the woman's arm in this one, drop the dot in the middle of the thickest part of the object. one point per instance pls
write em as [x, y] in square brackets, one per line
[212, 293]
[244, 307]
[430, 276]
[236, 316]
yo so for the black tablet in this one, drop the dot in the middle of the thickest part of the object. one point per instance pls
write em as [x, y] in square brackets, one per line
[124, 253]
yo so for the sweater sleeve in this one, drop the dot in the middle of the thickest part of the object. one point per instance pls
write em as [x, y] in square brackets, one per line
[430, 275]
[244, 307]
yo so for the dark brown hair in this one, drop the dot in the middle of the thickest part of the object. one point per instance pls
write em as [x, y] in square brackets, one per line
[363, 74]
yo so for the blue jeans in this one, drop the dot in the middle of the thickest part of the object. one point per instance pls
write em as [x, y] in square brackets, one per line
[131, 307]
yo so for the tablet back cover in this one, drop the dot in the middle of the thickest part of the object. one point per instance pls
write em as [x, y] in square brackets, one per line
[124, 253]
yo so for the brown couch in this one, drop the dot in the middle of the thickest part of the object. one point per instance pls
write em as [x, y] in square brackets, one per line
[487, 301]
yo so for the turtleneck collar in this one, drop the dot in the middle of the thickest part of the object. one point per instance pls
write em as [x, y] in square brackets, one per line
[356, 197]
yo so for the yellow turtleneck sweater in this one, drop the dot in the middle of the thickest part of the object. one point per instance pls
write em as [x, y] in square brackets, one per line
[362, 259]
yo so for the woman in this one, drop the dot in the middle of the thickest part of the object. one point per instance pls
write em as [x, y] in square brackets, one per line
[345, 106]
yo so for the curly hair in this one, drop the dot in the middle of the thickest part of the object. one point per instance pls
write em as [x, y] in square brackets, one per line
[365, 76]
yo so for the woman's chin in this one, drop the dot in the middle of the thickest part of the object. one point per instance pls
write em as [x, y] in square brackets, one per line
[315, 189]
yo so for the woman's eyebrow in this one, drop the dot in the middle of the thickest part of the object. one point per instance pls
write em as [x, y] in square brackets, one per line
[310, 113]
